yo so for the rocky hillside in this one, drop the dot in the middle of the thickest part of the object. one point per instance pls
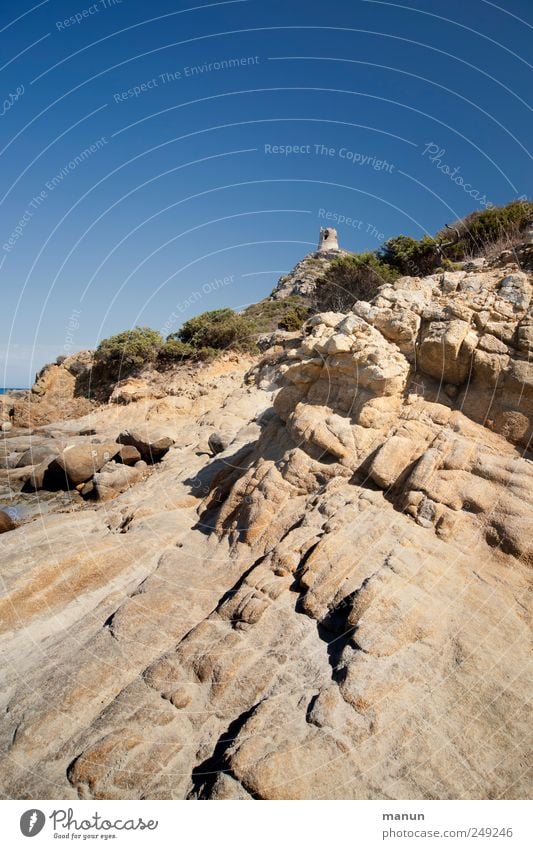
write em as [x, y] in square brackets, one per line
[303, 278]
[56, 393]
[318, 588]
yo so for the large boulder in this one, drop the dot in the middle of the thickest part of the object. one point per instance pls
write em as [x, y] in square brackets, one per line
[78, 463]
[152, 443]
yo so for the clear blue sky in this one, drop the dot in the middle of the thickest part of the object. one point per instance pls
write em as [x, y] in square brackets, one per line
[121, 207]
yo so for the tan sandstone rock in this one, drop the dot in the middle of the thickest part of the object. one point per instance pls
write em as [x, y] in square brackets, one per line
[336, 606]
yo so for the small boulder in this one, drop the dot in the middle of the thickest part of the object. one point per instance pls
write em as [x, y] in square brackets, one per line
[152, 444]
[516, 289]
[114, 479]
[451, 279]
[88, 490]
[217, 443]
[6, 427]
[129, 455]
[6, 522]
[339, 343]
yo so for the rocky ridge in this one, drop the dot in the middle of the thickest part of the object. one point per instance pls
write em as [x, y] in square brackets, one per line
[330, 599]
[303, 277]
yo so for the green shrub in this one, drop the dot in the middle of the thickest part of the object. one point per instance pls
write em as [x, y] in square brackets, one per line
[271, 314]
[479, 232]
[173, 351]
[129, 350]
[206, 354]
[294, 318]
[447, 265]
[413, 257]
[352, 278]
[219, 329]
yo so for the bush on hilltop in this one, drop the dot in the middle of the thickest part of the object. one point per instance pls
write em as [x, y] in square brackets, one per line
[480, 232]
[352, 278]
[412, 257]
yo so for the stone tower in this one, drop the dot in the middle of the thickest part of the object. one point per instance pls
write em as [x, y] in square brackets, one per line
[328, 240]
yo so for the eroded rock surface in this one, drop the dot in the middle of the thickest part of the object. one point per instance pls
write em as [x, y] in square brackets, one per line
[336, 605]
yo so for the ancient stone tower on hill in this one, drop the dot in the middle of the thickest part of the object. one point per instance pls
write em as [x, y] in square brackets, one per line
[328, 239]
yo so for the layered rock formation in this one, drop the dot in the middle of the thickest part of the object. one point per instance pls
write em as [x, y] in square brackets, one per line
[334, 606]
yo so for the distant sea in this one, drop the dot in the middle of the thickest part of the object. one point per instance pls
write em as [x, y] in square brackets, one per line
[12, 389]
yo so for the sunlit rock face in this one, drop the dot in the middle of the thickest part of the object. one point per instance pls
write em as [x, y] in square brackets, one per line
[331, 601]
